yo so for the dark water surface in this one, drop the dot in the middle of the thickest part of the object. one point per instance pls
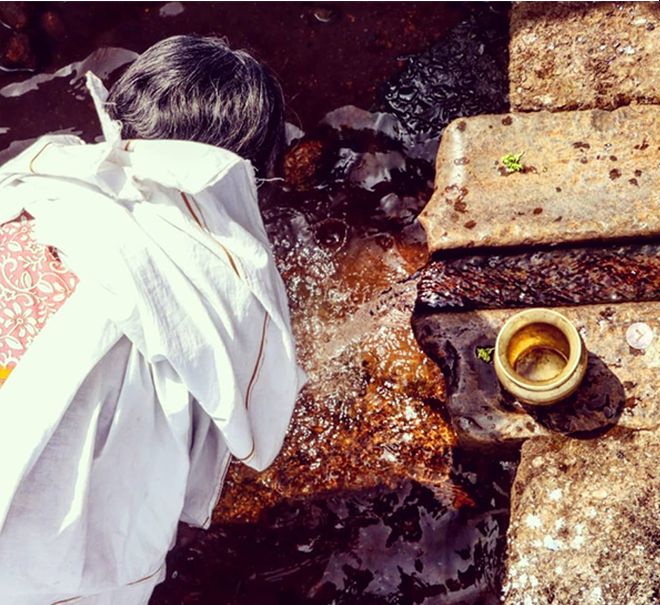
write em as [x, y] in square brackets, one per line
[375, 546]
[369, 86]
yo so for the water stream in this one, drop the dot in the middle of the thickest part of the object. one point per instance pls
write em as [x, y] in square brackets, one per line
[370, 502]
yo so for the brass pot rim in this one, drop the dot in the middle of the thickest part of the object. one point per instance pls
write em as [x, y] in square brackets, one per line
[548, 391]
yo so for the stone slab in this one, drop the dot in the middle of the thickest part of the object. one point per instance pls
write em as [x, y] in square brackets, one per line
[541, 278]
[579, 55]
[584, 522]
[588, 175]
[621, 386]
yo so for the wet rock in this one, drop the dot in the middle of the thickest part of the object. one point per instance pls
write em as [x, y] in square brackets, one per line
[346, 242]
[620, 388]
[303, 163]
[584, 522]
[564, 191]
[541, 278]
[580, 55]
[52, 24]
[14, 14]
[463, 74]
[17, 52]
[379, 546]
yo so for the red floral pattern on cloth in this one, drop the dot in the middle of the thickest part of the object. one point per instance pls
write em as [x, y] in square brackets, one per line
[33, 285]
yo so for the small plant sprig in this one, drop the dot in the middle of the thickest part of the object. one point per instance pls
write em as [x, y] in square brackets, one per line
[484, 354]
[512, 162]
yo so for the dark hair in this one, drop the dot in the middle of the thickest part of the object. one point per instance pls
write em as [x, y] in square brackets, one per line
[196, 88]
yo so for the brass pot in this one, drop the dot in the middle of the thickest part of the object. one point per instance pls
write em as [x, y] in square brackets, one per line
[539, 357]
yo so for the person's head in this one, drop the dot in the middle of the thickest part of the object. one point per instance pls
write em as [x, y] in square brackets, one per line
[196, 88]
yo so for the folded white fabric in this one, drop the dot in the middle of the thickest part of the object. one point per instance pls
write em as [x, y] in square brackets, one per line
[174, 351]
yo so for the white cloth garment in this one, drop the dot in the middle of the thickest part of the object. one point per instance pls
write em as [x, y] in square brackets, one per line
[173, 353]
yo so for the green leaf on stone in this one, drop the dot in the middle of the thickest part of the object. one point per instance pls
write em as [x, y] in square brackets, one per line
[485, 354]
[512, 161]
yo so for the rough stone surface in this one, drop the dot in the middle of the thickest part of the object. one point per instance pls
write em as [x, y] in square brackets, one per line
[576, 276]
[579, 55]
[584, 522]
[588, 175]
[621, 386]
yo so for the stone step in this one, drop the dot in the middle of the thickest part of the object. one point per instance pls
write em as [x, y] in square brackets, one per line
[568, 55]
[587, 175]
[584, 522]
[541, 278]
[621, 386]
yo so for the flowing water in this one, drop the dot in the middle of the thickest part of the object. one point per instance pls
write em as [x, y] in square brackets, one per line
[370, 500]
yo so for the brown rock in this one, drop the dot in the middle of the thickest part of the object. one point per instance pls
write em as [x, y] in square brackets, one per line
[52, 24]
[582, 55]
[303, 163]
[566, 174]
[584, 522]
[18, 52]
[621, 386]
[14, 14]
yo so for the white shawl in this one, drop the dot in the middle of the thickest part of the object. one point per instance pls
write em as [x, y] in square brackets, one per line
[181, 305]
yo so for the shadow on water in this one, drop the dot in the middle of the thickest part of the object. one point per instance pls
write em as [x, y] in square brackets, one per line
[376, 546]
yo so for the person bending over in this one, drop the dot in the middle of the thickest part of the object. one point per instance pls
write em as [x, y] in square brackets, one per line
[145, 335]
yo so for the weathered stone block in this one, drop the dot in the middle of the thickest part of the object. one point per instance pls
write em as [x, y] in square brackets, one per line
[583, 55]
[584, 522]
[621, 386]
[541, 278]
[587, 175]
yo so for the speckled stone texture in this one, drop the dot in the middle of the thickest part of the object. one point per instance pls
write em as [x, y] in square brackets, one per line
[621, 386]
[586, 499]
[583, 55]
[584, 522]
[588, 175]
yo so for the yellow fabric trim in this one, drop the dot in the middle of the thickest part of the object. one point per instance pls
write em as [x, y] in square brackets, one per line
[31, 164]
[202, 224]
